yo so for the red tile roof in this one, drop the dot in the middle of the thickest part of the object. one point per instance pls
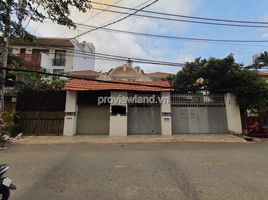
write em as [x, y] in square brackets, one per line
[96, 85]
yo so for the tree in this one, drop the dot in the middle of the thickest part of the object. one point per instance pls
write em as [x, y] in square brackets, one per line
[13, 12]
[220, 76]
[260, 61]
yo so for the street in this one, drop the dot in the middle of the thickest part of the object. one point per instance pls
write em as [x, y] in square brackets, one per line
[139, 171]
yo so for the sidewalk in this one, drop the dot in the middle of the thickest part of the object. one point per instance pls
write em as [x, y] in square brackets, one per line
[212, 138]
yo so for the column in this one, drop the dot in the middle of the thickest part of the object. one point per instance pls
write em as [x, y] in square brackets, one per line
[70, 114]
[118, 114]
[233, 114]
[166, 127]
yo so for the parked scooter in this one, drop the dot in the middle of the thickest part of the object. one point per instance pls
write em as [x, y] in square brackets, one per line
[5, 183]
[3, 139]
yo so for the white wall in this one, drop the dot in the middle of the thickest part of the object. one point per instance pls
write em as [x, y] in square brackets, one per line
[70, 119]
[233, 114]
[118, 123]
[46, 62]
[83, 62]
[166, 126]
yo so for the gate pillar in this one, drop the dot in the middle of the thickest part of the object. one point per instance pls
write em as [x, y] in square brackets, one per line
[118, 114]
[166, 127]
[70, 119]
[233, 114]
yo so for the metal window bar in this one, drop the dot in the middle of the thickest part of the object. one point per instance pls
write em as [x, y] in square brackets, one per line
[197, 100]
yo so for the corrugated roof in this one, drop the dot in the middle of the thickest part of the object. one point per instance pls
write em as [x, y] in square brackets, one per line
[96, 85]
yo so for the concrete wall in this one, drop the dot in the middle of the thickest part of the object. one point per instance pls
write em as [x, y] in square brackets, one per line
[118, 123]
[233, 114]
[83, 62]
[71, 114]
[46, 62]
[166, 126]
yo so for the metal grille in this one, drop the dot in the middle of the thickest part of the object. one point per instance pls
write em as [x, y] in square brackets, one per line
[197, 100]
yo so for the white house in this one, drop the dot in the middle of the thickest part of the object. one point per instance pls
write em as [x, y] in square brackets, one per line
[57, 55]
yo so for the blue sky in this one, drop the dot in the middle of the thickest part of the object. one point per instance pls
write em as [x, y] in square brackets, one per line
[171, 50]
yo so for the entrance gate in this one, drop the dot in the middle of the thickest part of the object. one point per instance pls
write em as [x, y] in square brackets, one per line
[198, 113]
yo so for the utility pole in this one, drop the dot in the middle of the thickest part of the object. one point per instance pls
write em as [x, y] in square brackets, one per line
[6, 34]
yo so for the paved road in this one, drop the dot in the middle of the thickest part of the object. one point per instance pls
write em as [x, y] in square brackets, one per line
[139, 171]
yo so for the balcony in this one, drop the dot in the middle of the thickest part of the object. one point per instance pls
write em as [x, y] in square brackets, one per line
[59, 62]
[30, 60]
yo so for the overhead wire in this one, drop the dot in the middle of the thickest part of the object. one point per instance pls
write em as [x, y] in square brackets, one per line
[184, 16]
[82, 78]
[186, 21]
[119, 20]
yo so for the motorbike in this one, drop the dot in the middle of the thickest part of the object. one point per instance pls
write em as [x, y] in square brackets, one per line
[3, 139]
[257, 130]
[5, 183]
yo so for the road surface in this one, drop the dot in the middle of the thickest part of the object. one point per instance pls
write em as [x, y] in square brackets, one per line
[139, 171]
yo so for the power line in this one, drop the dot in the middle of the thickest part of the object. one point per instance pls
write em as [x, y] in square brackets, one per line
[78, 78]
[175, 37]
[186, 21]
[114, 57]
[101, 12]
[114, 22]
[186, 16]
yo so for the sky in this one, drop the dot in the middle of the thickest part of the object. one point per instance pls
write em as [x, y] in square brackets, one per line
[163, 49]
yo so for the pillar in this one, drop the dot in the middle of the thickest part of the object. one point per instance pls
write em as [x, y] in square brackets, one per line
[233, 114]
[70, 119]
[166, 126]
[118, 121]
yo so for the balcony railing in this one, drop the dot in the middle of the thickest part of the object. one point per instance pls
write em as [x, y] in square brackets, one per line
[59, 62]
[30, 60]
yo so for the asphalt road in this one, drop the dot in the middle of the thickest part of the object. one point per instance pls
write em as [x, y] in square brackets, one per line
[139, 171]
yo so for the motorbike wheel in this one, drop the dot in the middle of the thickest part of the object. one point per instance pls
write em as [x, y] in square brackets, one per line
[4, 191]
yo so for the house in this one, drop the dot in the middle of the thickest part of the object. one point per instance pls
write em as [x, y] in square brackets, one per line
[127, 101]
[57, 55]
[124, 72]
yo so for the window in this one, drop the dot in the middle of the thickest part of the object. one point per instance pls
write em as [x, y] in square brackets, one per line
[121, 110]
[59, 58]
[58, 71]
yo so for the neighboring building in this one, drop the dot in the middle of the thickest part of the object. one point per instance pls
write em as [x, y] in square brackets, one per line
[57, 55]
[124, 72]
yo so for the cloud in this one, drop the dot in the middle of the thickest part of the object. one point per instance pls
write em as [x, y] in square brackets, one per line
[130, 45]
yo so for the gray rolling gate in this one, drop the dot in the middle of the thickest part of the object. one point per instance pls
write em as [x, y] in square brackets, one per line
[198, 113]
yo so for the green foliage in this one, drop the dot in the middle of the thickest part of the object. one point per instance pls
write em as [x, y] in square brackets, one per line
[220, 76]
[260, 61]
[7, 121]
[35, 81]
[37, 10]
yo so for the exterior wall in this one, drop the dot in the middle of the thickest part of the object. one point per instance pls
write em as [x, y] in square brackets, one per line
[71, 108]
[81, 62]
[166, 126]
[73, 62]
[46, 62]
[233, 114]
[118, 123]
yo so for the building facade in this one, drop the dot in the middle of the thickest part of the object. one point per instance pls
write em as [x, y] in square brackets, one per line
[56, 55]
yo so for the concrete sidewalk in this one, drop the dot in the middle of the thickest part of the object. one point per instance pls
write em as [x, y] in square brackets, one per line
[212, 138]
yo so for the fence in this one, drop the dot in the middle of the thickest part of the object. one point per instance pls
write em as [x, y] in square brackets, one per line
[41, 123]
